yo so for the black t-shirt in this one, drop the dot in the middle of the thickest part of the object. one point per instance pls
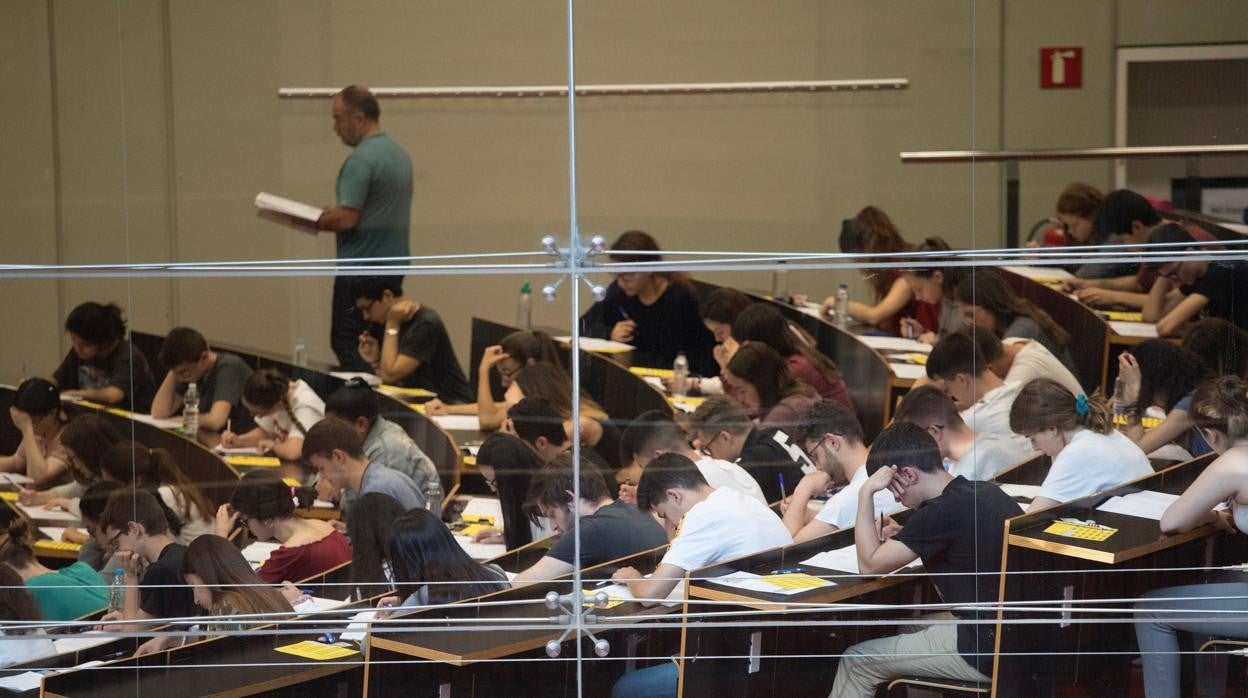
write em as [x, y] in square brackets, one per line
[224, 383]
[958, 535]
[424, 338]
[670, 325]
[120, 369]
[1227, 299]
[614, 531]
[159, 599]
[766, 460]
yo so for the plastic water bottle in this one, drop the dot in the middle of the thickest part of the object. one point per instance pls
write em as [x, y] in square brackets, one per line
[842, 306]
[433, 496]
[300, 357]
[780, 285]
[190, 411]
[1120, 404]
[524, 307]
[680, 375]
[117, 591]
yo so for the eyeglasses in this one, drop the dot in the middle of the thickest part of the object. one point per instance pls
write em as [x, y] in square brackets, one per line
[366, 307]
[705, 449]
[112, 542]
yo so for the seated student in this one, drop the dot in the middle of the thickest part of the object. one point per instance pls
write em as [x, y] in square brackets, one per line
[761, 322]
[957, 530]
[1088, 455]
[370, 523]
[709, 526]
[539, 424]
[335, 450]
[610, 529]
[657, 312]
[218, 377]
[104, 366]
[1157, 373]
[551, 383]
[990, 304]
[720, 309]
[63, 594]
[19, 645]
[655, 433]
[513, 353]
[37, 414]
[1077, 207]
[136, 528]
[957, 367]
[1206, 610]
[724, 431]
[508, 466]
[1020, 361]
[872, 232]
[430, 568]
[133, 464]
[85, 440]
[1204, 288]
[935, 286]
[1221, 346]
[284, 411]
[966, 453]
[763, 384]
[385, 443]
[1124, 218]
[415, 351]
[224, 585]
[95, 550]
[834, 441]
[262, 503]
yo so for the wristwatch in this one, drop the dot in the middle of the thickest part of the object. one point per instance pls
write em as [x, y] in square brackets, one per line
[392, 332]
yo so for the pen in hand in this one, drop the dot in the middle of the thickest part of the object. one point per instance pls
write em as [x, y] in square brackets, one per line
[880, 530]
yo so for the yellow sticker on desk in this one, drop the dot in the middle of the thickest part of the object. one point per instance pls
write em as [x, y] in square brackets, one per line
[472, 530]
[57, 545]
[470, 459]
[795, 580]
[655, 372]
[691, 402]
[612, 602]
[1070, 530]
[8, 496]
[317, 650]
[1124, 316]
[917, 358]
[292, 482]
[1146, 422]
[411, 392]
[254, 461]
[478, 519]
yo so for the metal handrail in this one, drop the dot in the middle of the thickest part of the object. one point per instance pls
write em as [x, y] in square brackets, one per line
[1146, 151]
[607, 90]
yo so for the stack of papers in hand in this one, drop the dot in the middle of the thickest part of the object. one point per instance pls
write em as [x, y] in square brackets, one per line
[297, 215]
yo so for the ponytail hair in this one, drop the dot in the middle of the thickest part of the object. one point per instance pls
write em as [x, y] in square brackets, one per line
[269, 387]
[149, 468]
[97, 324]
[1222, 404]
[15, 546]
[1044, 403]
[37, 397]
[536, 346]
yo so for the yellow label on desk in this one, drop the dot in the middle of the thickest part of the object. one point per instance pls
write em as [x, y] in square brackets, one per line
[690, 402]
[1070, 530]
[118, 412]
[292, 482]
[94, 405]
[917, 358]
[478, 519]
[656, 372]
[410, 392]
[470, 459]
[8, 496]
[254, 461]
[57, 545]
[471, 530]
[612, 602]
[1146, 422]
[795, 580]
[1124, 316]
[317, 650]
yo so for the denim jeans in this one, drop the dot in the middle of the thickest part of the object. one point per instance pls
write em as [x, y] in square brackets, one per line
[1164, 613]
[658, 681]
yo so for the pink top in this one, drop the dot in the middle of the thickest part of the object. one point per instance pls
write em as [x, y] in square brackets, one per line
[787, 415]
[801, 369]
[302, 561]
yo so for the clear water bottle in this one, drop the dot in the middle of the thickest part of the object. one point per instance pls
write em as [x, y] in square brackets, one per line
[1120, 404]
[190, 411]
[680, 375]
[300, 357]
[780, 284]
[433, 496]
[117, 591]
[524, 307]
[842, 306]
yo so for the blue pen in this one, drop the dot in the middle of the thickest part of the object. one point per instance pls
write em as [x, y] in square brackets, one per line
[328, 638]
[790, 570]
[624, 313]
[780, 477]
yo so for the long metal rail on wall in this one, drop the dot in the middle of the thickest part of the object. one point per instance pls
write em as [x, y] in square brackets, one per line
[531, 91]
[1011, 158]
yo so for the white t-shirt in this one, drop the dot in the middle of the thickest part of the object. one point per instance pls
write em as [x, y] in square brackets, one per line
[991, 414]
[1092, 462]
[841, 510]
[721, 473]
[989, 455]
[1033, 361]
[725, 525]
[307, 407]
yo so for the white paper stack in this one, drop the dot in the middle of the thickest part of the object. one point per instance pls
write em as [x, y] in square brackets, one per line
[1146, 504]
[844, 560]
[289, 212]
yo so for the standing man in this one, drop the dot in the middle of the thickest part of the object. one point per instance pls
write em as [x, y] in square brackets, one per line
[372, 217]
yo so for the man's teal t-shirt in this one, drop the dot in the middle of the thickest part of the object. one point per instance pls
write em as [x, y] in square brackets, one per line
[68, 593]
[376, 180]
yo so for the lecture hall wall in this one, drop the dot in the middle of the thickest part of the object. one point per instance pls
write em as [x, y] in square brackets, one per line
[140, 131]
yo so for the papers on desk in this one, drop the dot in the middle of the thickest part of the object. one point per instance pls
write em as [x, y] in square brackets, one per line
[87, 640]
[656, 382]
[288, 212]
[483, 510]
[458, 422]
[15, 479]
[1027, 492]
[368, 378]
[619, 593]
[159, 423]
[894, 343]
[787, 584]
[598, 346]
[319, 651]
[52, 532]
[1133, 329]
[480, 551]
[239, 451]
[1041, 274]
[39, 514]
[907, 371]
[1146, 505]
[20, 683]
[686, 404]
[844, 560]
[358, 627]
[314, 604]
[258, 553]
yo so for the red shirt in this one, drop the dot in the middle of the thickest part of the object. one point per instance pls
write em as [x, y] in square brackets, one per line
[302, 561]
[802, 370]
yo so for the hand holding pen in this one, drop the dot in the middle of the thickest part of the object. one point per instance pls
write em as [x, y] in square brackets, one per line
[625, 329]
